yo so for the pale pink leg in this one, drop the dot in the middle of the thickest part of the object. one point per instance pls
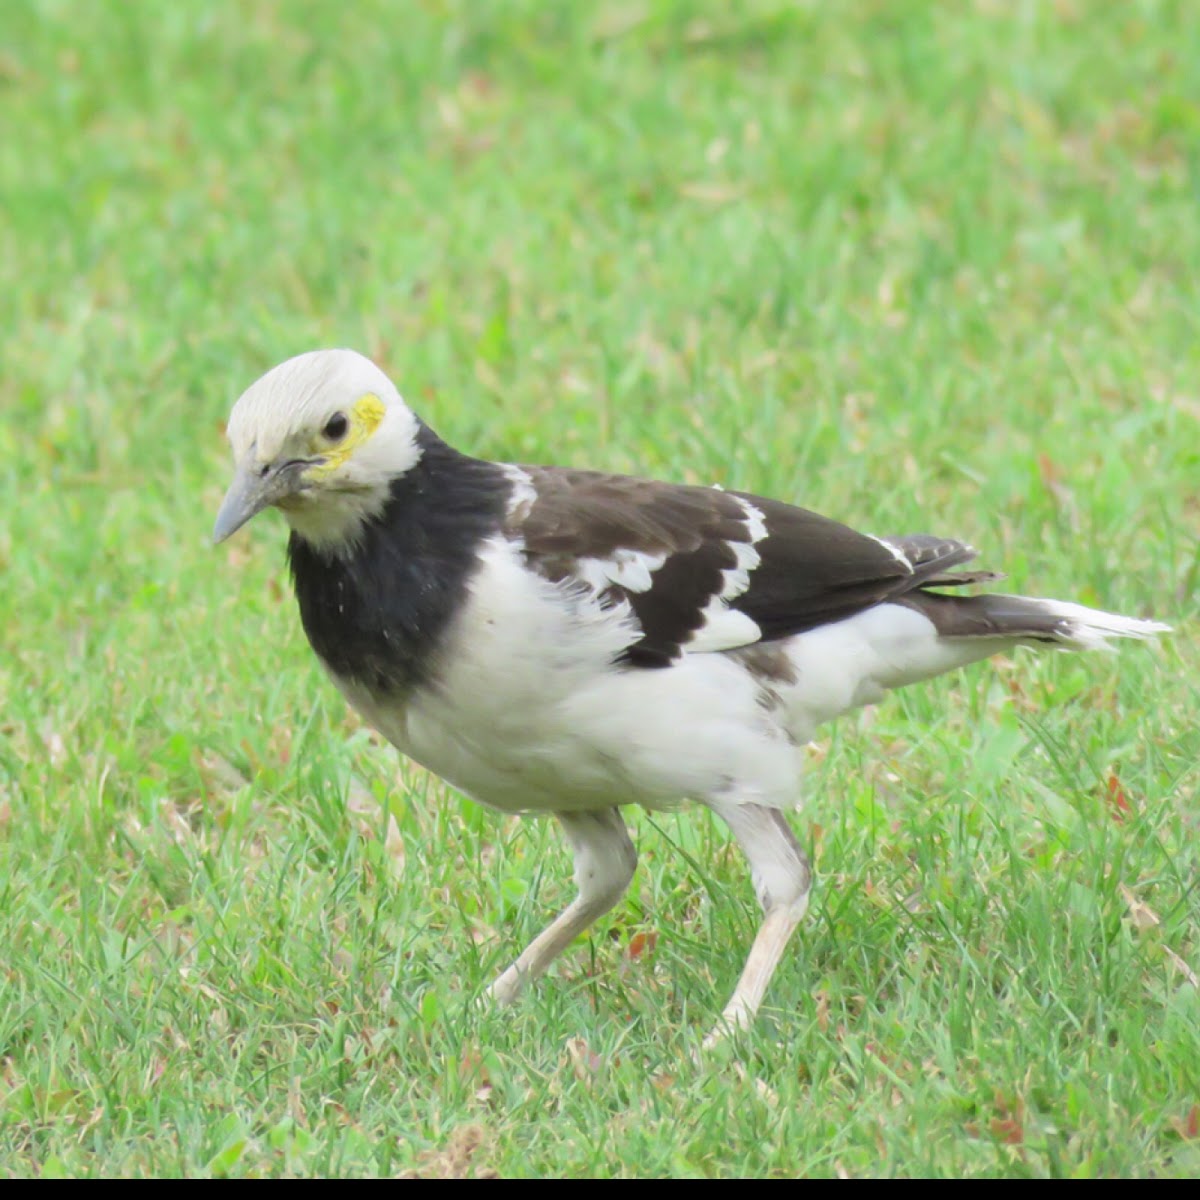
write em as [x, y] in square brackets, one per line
[782, 881]
[604, 863]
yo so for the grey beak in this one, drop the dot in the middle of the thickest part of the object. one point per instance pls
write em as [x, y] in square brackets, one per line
[252, 489]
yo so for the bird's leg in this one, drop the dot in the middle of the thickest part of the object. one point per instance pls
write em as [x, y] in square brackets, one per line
[782, 880]
[604, 863]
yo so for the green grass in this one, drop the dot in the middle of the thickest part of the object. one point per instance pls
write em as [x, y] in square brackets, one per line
[916, 266]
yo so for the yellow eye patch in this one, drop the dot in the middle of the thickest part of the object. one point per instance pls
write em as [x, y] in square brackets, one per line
[368, 413]
[365, 417]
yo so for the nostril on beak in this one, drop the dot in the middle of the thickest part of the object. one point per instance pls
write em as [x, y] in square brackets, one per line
[262, 471]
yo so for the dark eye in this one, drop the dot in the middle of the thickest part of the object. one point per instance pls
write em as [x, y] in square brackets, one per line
[335, 427]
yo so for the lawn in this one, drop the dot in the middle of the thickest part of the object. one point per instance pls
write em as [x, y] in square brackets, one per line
[920, 267]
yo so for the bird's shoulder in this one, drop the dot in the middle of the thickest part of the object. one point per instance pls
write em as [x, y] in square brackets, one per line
[702, 568]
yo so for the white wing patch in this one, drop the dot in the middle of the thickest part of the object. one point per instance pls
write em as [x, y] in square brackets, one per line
[755, 521]
[737, 579]
[632, 570]
[725, 628]
[895, 552]
[524, 494]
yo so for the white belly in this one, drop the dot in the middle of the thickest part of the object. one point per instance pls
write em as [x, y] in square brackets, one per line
[527, 712]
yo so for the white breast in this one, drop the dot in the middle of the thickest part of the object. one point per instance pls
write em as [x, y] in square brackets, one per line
[528, 712]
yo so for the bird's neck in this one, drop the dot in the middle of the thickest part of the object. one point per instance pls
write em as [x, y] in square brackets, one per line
[375, 607]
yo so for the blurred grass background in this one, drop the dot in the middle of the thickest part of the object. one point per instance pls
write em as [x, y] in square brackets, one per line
[918, 266]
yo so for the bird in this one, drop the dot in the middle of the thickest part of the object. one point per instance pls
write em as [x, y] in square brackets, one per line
[551, 640]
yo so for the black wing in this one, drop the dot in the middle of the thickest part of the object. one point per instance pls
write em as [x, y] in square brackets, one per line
[709, 569]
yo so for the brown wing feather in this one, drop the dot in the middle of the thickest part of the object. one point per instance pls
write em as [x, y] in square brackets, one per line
[809, 571]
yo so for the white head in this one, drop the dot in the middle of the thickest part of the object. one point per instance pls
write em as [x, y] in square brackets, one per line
[320, 437]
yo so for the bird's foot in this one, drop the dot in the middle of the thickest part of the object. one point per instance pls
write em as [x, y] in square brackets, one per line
[736, 1017]
[505, 990]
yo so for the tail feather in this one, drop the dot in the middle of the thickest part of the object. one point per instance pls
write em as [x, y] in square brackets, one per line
[1092, 629]
[1072, 626]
